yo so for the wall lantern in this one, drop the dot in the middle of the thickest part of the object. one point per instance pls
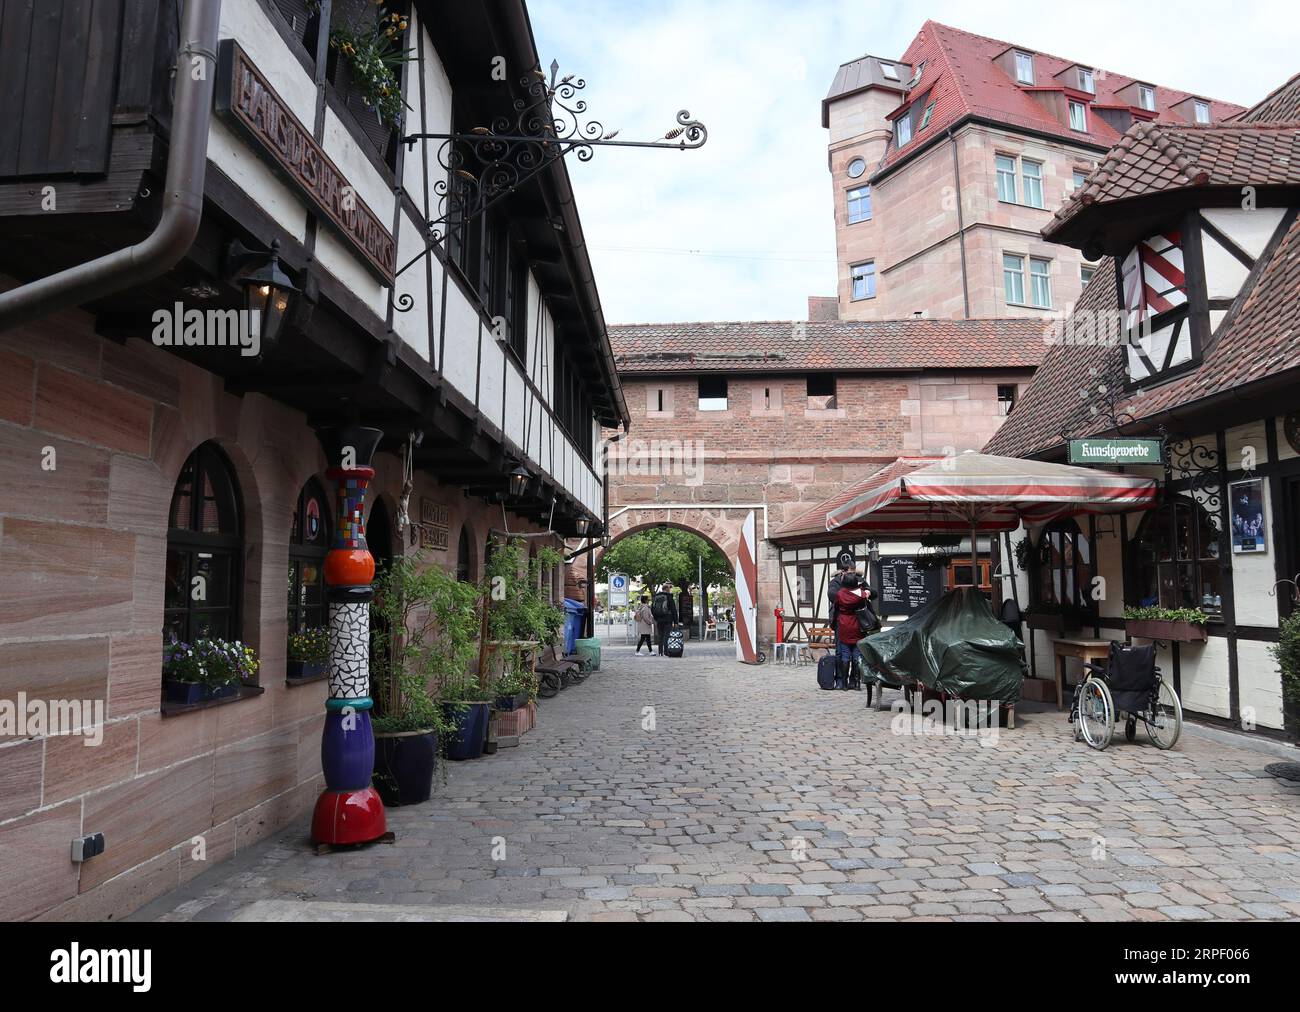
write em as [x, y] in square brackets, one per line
[268, 291]
[520, 479]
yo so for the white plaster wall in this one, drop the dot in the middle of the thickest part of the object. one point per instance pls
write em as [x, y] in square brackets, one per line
[1203, 671]
[1260, 681]
[1251, 230]
[413, 327]
[251, 174]
[246, 22]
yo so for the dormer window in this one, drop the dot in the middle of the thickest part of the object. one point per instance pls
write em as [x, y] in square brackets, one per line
[1085, 81]
[1202, 111]
[1146, 97]
[1024, 67]
[889, 71]
[1079, 117]
[905, 129]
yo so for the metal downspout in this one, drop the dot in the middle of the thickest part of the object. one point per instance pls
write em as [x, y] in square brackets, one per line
[182, 206]
[961, 223]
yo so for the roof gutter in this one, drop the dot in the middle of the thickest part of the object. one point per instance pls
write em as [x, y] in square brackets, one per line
[182, 207]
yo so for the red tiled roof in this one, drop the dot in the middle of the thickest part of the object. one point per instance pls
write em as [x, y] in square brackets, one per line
[1276, 107]
[840, 346]
[1259, 338]
[1152, 158]
[963, 80]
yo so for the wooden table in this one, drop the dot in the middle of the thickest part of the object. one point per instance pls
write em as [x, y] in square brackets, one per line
[1087, 651]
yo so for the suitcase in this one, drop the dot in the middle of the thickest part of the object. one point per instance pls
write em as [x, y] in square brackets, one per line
[828, 673]
[676, 644]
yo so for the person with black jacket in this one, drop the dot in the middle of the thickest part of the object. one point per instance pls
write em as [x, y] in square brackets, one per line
[664, 610]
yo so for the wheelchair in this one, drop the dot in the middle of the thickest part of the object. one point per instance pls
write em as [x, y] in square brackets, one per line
[1129, 683]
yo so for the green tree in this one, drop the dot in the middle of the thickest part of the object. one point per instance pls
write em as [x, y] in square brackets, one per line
[666, 555]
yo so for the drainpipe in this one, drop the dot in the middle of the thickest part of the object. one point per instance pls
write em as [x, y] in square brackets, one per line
[961, 223]
[182, 206]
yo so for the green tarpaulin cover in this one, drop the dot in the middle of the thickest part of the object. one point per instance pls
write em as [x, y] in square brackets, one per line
[954, 645]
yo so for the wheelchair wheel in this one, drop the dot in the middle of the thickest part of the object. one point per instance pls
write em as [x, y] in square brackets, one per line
[1166, 722]
[1131, 729]
[1096, 714]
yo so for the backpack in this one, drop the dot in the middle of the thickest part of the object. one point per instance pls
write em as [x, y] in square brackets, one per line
[662, 608]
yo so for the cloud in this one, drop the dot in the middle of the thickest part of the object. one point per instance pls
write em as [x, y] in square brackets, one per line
[744, 228]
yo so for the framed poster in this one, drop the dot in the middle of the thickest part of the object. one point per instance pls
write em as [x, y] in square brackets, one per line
[1249, 533]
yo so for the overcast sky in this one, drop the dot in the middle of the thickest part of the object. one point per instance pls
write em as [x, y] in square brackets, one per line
[743, 229]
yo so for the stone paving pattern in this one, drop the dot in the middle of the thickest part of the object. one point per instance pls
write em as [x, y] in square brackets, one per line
[701, 818]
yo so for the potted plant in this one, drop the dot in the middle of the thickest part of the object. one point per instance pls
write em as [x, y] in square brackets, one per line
[309, 654]
[425, 642]
[517, 612]
[208, 669]
[373, 54]
[511, 691]
[467, 706]
[1175, 625]
[1287, 655]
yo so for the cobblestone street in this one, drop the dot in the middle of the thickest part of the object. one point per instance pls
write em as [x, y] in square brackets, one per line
[702, 818]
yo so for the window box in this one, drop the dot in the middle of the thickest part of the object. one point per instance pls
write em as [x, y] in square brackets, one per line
[305, 671]
[1170, 632]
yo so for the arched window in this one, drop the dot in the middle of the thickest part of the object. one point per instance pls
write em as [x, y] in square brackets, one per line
[309, 543]
[464, 557]
[1065, 567]
[204, 550]
[1177, 559]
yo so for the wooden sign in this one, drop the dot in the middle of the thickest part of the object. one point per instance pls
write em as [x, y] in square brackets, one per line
[256, 111]
[435, 526]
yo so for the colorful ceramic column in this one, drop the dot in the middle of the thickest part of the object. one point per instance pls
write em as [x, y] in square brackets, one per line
[349, 811]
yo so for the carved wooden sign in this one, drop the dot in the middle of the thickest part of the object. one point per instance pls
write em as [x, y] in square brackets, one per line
[435, 526]
[252, 106]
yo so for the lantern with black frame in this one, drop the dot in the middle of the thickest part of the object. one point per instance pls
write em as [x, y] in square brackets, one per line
[269, 293]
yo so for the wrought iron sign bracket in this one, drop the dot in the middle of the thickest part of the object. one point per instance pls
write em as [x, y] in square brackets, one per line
[487, 164]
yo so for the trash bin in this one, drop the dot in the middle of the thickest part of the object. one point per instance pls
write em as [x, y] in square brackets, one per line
[574, 613]
[590, 649]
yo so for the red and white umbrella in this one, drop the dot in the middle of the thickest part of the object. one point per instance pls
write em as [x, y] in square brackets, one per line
[977, 492]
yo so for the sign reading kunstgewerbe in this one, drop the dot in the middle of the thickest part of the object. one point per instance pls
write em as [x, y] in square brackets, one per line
[1116, 451]
[249, 103]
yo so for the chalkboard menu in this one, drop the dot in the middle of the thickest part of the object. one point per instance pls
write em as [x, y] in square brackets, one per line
[905, 588]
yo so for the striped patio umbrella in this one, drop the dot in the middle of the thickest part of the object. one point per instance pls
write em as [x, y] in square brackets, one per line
[976, 493]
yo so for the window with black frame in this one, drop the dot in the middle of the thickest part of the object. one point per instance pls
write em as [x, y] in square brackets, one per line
[309, 543]
[1177, 558]
[204, 550]
[1065, 569]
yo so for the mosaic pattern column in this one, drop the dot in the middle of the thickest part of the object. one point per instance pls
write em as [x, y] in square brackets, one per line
[349, 811]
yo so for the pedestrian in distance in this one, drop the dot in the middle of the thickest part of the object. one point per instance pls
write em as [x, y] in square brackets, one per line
[664, 610]
[645, 627]
[852, 597]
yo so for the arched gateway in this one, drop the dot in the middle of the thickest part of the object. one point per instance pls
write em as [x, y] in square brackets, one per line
[739, 533]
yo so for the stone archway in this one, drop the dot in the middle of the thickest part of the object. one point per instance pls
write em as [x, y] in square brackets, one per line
[722, 527]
